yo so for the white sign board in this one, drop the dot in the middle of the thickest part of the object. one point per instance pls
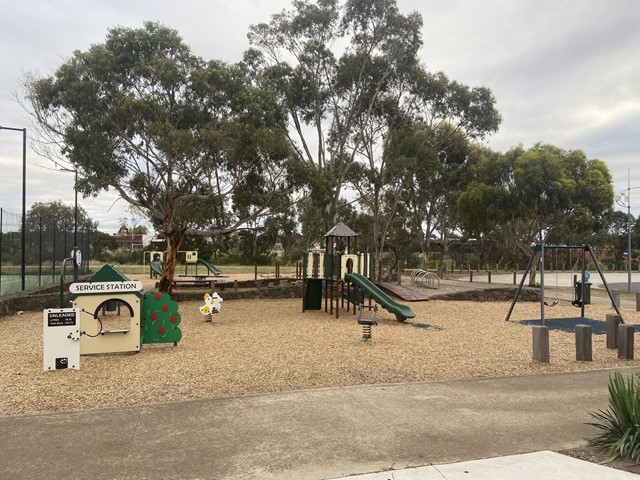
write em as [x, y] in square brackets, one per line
[106, 287]
[61, 338]
[192, 256]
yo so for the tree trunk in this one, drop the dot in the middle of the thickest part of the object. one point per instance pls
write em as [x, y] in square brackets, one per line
[426, 253]
[533, 270]
[173, 244]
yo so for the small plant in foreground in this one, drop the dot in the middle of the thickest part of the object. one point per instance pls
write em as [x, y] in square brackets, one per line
[620, 423]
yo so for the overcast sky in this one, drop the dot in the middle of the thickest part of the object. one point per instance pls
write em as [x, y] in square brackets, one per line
[565, 72]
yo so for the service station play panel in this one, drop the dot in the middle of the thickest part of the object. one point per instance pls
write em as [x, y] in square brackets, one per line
[61, 338]
[110, 314]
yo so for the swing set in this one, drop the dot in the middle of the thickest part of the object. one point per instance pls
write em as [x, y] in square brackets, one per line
[579, 287]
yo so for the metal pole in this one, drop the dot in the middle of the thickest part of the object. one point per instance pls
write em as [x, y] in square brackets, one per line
[519, 289]
[75, 225]
[542, 282]
[624, 200]
[604, 281]
[24, 207]
[75, 230]
[629, 256]
[24, 200]
[75, 213]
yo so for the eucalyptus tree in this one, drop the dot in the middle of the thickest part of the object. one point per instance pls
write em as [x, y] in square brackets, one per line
[483, 204]
[45, 216]
[333, 65]
[195, 144]
[438, 143]
[541, 194]
[350, 78]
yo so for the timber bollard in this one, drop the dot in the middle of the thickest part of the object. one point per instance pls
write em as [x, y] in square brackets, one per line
[235, 285]
[489, 275]
[637, 301]
[514, 277]
[584, 351]
[540, 343]
[613, 323]
[471, 276]
[625, 341]
[615, 295]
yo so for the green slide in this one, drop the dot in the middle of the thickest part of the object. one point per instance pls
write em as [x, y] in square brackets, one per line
[212, 268]
[402, 312]
[156, 267]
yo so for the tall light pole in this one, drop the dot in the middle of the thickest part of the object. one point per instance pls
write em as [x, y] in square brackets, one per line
[24, 201]
[624, 200]
[75, 224]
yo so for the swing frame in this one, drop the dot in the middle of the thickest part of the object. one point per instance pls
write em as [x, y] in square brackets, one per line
[555, 300]
[539, 249]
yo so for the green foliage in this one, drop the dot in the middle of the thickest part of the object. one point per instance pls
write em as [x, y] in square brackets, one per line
[197, 145]
[102, 245]
[339, 68]
[42, 215]
[310, 219]
[543, 193]
[620, 423]
[241, 258]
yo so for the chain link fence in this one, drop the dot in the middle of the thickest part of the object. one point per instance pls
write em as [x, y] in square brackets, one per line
[47, 244]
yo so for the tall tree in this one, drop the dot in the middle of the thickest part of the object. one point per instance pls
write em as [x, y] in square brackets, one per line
[41, 215]
[439, 145]
[326, 91]
[195, 144]
[352, 102]
[544, 193]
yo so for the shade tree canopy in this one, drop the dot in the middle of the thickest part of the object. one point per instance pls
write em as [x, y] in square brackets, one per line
[57, 215]
[543, 194]
[349, 75]
[195, 144]
[333, 65]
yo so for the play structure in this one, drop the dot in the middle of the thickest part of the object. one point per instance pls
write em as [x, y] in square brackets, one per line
[582, 295]
[337, 277]
[110, 314]
[211, 268]
[189, 257]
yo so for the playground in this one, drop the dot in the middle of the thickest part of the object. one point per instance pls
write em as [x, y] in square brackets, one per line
[270, 345]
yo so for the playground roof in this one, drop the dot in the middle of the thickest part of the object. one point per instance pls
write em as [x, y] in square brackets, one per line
[341, 230]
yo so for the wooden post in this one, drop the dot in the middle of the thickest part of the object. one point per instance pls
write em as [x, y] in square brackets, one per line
[489, 274]
[471, 276]
[583, 343]
[616, 298]
[540, 343]
[235, 285]
[338, 282]
[625, 341]
[514, 277]
[637, 301]
[304, 290]
[613, 323]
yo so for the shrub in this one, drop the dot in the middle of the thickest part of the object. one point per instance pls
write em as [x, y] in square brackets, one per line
[620, 423]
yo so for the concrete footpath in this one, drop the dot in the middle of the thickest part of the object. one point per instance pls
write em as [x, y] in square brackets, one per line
[326, 433]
